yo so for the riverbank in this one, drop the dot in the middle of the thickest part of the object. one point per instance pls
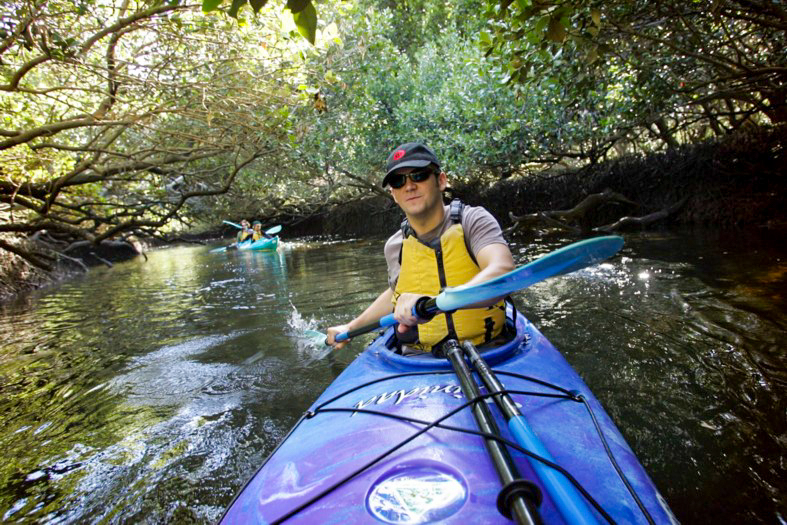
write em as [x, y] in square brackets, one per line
[735, 183]
[19, 276]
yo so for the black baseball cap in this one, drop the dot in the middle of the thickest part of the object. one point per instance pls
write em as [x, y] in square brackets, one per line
[409, 155]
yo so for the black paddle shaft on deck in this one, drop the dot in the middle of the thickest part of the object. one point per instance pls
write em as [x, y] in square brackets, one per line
[517, 506]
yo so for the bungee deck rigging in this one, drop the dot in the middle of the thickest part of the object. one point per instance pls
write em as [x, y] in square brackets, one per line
[566, 395]
[320, 483]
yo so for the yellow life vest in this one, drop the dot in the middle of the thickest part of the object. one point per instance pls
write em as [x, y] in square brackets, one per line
[427, 271]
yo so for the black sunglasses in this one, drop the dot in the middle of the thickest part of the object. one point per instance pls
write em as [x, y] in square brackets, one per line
[398, 180]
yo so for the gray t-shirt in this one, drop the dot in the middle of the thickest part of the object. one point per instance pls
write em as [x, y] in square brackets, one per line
[480, 227]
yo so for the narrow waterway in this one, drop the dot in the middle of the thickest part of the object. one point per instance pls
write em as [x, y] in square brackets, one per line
[151, 391]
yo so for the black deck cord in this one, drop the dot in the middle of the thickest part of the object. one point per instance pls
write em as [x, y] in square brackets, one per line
[615, 463]
[580, 398]
[502, 440]
[566, 394]
[437, 424]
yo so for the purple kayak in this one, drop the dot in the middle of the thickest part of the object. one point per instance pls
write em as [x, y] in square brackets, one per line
[393, 440]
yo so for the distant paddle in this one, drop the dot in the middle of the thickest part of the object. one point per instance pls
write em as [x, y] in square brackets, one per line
[560, 262]
[272, 231]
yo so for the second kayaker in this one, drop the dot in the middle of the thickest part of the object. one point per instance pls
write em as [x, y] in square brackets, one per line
[437, 246]
[257, 233]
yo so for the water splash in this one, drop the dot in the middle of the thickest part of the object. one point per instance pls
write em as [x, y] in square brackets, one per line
[297, 324]
[310, 341]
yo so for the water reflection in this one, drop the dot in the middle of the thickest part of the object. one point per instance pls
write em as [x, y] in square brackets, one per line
[151, 391]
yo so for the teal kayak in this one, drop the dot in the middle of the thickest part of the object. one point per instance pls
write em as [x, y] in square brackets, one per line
[394, 440]
[260, 245]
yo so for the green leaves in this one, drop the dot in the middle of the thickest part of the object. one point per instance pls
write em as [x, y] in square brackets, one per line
[296, 6]
[306, 22]
[257, 4]
[210, 5]
[556, 32]
[303, 12]
[235, 7]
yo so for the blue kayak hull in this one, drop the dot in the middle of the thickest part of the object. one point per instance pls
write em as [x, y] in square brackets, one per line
[344, 464]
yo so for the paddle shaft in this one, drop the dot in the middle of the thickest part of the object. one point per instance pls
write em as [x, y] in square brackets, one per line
[520, 509]
[569, 502]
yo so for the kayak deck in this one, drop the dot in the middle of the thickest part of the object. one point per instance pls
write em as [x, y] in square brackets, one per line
[393, 440]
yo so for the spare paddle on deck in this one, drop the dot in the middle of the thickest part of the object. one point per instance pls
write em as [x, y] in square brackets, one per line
[565, 260]
[519, 499]
[569, 502]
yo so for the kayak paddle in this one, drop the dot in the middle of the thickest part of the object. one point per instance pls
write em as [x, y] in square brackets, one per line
[562, 261]
[275, 229]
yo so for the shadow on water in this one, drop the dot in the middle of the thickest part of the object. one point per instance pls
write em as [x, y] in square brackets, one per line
[152, 391]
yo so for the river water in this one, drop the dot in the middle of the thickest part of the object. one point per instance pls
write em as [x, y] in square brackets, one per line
[150, 392]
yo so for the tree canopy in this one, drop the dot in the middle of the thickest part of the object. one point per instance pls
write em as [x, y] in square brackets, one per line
[137, 117]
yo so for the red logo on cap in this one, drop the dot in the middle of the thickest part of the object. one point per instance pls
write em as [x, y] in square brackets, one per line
[399, 154]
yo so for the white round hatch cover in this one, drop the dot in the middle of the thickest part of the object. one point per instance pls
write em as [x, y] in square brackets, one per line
[416, 494]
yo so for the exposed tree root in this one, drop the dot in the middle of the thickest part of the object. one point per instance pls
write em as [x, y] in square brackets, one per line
[641, 221]
[576, 220]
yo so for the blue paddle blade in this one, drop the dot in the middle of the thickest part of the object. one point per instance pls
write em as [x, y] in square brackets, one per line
[315, 336]
[238, 226]
[565, 260]
[275, 229]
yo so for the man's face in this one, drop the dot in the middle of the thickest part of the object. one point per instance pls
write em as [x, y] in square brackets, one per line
[420, 199]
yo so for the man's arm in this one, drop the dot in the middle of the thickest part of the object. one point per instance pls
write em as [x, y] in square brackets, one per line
[494, 260]
[381, 307]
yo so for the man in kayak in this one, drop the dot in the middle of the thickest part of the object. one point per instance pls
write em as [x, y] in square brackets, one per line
[438, 246]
